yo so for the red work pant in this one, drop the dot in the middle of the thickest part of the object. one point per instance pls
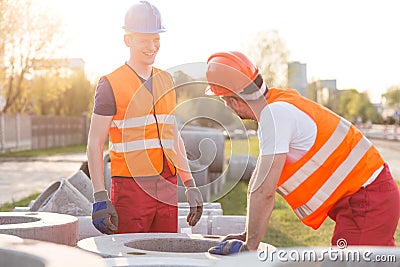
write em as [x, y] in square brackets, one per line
[369, 217]
[145, 205]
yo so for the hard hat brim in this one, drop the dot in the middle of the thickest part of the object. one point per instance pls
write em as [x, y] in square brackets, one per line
[161, 30]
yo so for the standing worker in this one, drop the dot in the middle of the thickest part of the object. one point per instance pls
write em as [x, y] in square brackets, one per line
[133, 106]
[320, 163]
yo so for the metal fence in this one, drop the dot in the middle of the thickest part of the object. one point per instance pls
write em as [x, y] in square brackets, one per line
[23, 132]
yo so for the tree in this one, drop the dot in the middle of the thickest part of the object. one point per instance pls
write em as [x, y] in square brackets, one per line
[353, 104]
[77, 97]
[28, 36]
[270, 54]
[392, 97]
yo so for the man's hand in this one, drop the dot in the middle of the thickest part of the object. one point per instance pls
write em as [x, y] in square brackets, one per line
[229, 247]
[103, 209]
[195, 201]
[241, 237]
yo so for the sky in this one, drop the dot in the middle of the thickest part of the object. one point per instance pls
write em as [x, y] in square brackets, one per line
[353, 41]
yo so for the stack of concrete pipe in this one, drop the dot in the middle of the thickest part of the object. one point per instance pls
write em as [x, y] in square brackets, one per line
[241, 167]
[205, 151]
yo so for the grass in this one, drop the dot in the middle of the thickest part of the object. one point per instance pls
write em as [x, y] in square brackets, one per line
[284, 229]
[45, 152]
[9, 206]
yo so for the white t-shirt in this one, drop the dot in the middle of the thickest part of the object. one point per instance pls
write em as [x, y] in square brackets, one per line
[283, 128]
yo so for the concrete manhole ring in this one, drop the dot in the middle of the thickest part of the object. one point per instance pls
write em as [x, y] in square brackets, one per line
[44, 226]
[152, 245]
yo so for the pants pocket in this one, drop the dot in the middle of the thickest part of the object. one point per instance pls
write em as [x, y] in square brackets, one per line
[359, 204]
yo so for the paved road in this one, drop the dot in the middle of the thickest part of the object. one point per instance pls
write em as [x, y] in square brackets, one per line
[20, 178]
[390, 151]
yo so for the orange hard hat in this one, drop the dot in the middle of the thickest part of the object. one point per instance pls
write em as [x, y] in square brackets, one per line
[229, 73]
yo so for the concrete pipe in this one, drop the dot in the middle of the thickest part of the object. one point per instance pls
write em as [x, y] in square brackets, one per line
[51, 227]
[205, 147]
[83, 183]
[217, 181]
[241, 167]
[33, 253]
[62, 197]
[107, 172]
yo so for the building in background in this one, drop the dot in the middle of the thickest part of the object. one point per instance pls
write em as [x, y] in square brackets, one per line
[297, 77]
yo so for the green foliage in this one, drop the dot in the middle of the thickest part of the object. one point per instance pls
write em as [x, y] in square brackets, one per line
[29, 35]
[392, 96]
[47, 152]
[352, 104]
[9, 206]
[78, 95]
[270, 54]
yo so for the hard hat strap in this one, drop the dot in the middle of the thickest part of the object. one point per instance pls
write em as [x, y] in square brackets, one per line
[255, 95]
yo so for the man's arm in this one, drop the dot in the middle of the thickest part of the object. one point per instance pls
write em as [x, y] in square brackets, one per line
[192, 193]
[98, 133]
[261, 196]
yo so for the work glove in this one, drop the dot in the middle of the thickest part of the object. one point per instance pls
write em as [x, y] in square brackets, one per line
[241, 237]
[195, 201]
[103, 209]
[229, 247]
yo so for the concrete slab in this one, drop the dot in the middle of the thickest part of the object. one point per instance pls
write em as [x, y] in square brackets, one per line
[44, 226]
[33, 253]
[200, 228]
[224, 225]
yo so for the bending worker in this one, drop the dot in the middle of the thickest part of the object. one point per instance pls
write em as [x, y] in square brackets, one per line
[134, 106]
[320, 163]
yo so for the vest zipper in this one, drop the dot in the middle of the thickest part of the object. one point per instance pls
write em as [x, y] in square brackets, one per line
[159, 136]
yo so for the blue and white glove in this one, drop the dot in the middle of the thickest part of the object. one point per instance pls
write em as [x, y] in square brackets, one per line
[104, 215]
[229, 247]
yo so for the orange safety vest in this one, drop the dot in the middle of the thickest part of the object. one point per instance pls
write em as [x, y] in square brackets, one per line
[142, 130]
[337, 165]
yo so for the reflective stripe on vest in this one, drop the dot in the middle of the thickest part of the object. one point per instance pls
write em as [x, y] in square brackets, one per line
[143, 121]
[334, 180]
[141, 145]
[317, 160]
